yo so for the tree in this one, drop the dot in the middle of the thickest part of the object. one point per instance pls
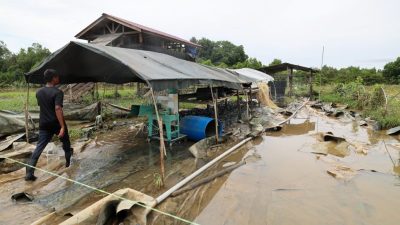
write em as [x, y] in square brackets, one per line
[275, 62]
[391, 71]
[5, 55]
[249, 63]
[13, 66]
[220, 52]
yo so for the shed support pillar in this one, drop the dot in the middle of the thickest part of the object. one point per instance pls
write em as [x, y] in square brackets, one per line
[238, 105]
[290, 81]
[310, 80]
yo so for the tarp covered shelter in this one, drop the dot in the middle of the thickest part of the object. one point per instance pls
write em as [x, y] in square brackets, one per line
[80, 62]
[252, 75]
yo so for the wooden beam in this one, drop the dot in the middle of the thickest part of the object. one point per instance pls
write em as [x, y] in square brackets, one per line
[238, 105]
[108, 28]
[310, 80]
[290, 81]
[141, 38]
[27, 114]
[161, 133]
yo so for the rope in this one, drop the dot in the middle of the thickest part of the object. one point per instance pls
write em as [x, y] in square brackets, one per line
[104, 192]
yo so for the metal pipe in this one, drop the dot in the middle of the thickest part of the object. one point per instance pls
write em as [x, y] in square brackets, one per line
[166, 194]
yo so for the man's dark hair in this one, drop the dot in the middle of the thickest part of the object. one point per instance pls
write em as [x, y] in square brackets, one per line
[49, 74]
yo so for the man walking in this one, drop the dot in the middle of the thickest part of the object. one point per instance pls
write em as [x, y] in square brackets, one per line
[51, 121]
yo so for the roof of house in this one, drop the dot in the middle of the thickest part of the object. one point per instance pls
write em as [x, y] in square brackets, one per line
[134, 26]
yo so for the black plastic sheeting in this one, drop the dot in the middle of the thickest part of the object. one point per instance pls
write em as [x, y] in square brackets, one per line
[80, 62]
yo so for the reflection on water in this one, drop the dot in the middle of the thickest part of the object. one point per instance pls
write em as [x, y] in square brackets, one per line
[290, 185]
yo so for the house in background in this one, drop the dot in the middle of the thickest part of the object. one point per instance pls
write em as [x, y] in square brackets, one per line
[113, 31]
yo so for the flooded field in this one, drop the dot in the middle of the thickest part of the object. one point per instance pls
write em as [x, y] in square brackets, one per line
[290, 177]
[294, 178]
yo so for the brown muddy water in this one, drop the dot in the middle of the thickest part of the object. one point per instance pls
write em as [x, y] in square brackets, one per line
[290, 177]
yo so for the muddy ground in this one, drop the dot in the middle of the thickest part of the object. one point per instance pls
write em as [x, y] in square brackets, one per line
[291, 177]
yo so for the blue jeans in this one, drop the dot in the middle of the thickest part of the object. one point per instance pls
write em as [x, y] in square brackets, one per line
[45, 137]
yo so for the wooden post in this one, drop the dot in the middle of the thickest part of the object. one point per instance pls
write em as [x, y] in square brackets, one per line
[138, 89]
[291, 82]
[140, 38]
[26, 114]
[238, 105]
[247, 106]
[70, 92]
[215, 113]
[97, 91]
[311, 86]
[116, 91]
[94, 92]
[161, 132]
[250, 95]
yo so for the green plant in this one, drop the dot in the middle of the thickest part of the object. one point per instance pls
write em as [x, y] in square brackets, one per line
[158, 181]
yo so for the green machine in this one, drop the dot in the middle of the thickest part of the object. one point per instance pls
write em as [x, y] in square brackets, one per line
[169, 114]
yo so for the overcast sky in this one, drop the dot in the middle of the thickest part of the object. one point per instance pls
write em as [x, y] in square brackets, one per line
[363, 33]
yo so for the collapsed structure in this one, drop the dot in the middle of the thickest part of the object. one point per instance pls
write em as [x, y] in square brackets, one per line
[120, 52]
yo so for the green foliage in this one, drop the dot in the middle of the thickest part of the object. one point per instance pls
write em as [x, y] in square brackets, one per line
[391, 71]
[220, 52]
[349, 74]
[275, 62]
[371, 100]
[249, 63]
[5, 56]
[13, 66]
[75, 133]
[157, 180]
[14, 100]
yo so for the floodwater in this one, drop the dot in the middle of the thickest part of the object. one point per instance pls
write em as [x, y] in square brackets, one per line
[294, 178]
[290, 177]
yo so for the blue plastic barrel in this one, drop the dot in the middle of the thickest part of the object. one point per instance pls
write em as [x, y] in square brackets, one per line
[199, 127]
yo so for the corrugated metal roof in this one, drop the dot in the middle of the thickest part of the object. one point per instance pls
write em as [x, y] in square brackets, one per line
[135, 26]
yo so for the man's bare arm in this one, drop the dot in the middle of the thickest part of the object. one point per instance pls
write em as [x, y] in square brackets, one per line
[60, 118]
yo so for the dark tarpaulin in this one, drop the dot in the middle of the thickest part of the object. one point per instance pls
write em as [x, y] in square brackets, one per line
[80, 62]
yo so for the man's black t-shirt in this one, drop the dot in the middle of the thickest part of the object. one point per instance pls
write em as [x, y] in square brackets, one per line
[48, 98]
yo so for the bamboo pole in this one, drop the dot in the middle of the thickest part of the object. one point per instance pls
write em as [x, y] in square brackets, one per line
[183, 182]
[26, 114]
[207, 179]
[161, 132]
[215, 114]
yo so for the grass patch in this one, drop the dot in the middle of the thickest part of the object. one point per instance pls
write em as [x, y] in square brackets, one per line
[75, 133]
[14, 100]
[368, 100]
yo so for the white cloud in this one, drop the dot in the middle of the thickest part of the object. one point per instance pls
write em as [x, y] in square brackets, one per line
[354, 32]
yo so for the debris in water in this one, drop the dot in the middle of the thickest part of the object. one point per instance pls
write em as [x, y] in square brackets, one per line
[22, 197]
[328, 136]
[362, 123]
[342, 172]
[9, 141]
[393, 131]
